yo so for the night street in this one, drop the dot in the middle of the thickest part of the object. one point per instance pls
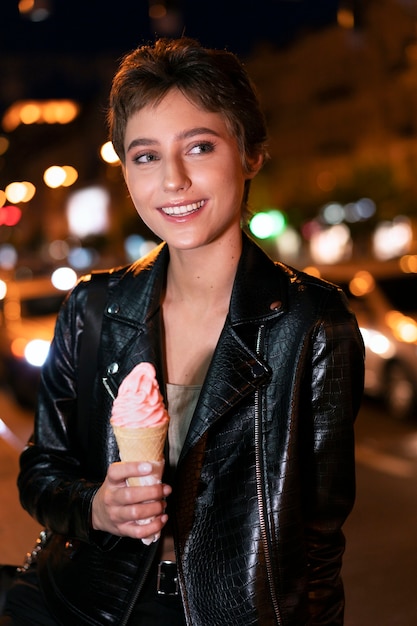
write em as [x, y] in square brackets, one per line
[381, 557]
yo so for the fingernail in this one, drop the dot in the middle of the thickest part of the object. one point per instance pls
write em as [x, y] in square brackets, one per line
[145, 467]
[167, 490]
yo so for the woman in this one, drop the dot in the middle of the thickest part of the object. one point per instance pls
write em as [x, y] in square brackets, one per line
[261, 367]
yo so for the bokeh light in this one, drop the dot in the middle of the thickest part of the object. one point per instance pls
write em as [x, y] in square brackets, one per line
[39, 112]
[362, 283]
[9, 215]
[87, 211]
[4, 145]
[64, 278]
[82, 258]
[60, 176]
[3, 289]
[54, 176]
[137, 246]
[331, 245]
[392, 238]
[268, 223]
[20, 191]
[408, 263]
[108, 153]
[8, 256]
[36, 352]
[71, 175]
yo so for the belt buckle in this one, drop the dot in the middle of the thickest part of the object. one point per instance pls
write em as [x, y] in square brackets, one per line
[167, 579]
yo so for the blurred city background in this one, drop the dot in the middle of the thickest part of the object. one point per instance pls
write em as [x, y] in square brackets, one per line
[338, 84]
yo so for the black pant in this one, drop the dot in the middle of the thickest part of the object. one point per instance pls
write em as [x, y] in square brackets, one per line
[25, 605]
[153, 609]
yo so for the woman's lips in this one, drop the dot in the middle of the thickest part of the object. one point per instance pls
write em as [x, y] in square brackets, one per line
[182, 210]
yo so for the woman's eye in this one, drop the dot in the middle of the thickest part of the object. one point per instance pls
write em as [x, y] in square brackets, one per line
[147, 157]
[204, 147]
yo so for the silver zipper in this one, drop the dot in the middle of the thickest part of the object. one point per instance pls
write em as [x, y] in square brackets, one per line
[138, 589]
[108, 388]
[260, 491]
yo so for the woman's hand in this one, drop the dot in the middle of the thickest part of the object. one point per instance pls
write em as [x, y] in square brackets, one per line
[122, 510]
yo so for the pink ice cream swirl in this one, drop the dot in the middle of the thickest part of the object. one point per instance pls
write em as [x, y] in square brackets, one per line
[139, 403]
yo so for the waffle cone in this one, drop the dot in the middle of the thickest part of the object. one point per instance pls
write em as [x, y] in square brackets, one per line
[141, 444]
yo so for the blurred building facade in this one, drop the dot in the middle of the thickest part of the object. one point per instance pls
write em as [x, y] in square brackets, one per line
[341, 105]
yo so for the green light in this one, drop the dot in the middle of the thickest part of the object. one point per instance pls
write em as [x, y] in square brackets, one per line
[267, 224]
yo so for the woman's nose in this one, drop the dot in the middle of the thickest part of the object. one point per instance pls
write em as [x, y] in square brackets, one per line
[175, 175]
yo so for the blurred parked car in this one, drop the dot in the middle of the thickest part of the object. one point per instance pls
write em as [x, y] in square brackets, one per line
[384, 301]
[28, 311]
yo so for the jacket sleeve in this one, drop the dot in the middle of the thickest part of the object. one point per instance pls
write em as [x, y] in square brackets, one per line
[52, 484]
[335, 392]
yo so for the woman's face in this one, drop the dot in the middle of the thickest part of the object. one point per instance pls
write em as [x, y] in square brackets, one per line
[184, 172]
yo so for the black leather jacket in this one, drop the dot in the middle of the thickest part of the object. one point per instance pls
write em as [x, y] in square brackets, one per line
[266, 476]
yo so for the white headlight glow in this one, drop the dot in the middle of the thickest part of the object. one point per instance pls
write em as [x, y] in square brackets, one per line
[36, 352]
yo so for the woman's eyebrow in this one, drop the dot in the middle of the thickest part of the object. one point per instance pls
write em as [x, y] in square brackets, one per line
[141, 141]
[186, 134]
[200, 130]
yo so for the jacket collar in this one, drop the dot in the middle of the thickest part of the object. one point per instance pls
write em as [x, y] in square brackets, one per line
[137, 296]
[257, 294]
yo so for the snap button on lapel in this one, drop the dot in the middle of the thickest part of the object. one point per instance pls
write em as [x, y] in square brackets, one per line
[113, 368]
[113, 308]
[275, 306]
[257, 370]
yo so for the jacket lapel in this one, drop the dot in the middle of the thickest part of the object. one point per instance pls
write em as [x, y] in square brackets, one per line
[132, 325]
[236, 370]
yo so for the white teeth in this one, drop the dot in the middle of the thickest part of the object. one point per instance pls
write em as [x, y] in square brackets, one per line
[183, 209]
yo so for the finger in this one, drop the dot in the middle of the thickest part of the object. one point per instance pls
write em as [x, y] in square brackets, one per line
[145, 531]
[139, 513]
[146, 493]
[122, 470]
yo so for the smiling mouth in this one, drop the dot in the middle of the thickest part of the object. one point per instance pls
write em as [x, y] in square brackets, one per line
[182, 210]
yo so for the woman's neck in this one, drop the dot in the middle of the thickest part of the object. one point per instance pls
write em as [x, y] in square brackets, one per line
[203, 274]
[195, 307]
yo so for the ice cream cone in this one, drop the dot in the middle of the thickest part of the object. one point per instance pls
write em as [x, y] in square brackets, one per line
[140, 424]
[143, 444]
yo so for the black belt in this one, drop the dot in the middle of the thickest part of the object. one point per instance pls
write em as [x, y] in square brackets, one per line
[167, 579]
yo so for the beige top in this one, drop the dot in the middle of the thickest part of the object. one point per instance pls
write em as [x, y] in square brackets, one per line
[182, 400]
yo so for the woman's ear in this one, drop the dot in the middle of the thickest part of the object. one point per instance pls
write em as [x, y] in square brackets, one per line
[254, 165]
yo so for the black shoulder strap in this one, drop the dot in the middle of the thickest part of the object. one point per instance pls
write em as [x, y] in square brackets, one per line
[90, 338]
